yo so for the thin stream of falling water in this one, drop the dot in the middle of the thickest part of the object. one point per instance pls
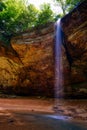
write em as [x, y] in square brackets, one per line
[58, 64]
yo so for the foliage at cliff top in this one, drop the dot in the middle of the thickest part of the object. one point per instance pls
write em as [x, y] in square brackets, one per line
[16, 16]
[67, 5]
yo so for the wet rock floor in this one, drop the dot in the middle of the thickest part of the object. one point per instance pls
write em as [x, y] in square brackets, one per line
[37, 121]
[43, 114]
[76, 109]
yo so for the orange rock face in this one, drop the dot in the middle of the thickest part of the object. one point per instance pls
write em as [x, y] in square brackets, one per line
[75, 29]
[27, 67]
[34, 68]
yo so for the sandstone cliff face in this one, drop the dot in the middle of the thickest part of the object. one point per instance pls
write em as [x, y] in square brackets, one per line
[9, 66]
[33, 70]
[27, 67]
[74, 26]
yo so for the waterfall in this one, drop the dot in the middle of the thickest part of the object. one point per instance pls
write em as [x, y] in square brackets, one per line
[58, 62]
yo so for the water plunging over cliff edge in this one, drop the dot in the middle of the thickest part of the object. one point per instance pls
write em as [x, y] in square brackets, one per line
[58, 62]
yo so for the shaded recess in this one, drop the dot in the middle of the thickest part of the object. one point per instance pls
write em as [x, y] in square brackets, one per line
[74, 27]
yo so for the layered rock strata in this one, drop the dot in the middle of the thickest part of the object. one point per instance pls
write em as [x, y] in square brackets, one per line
[27, 66]
[74, 26]
[31, 69]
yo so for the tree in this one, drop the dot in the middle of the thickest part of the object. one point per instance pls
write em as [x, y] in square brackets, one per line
[15, 17]
[32, 14]
[67, 5]
[45, 15]
[8, 17]
[2, 5]
[27, 18]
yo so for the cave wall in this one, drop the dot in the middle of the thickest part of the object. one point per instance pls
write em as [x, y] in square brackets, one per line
[27, 66]
[29, 63]
[74, 26]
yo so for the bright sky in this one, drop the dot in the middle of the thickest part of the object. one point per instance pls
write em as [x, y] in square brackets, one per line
[37, 3]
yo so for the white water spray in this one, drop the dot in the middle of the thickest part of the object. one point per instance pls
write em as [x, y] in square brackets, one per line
[58, 62]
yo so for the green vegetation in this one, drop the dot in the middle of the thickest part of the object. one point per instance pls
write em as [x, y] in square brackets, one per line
[67, 5]
[16, 16]
[45, 15]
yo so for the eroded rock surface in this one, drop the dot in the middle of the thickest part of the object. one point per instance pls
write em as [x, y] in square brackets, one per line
[27, 67]
[33, 71]
[74, 26]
